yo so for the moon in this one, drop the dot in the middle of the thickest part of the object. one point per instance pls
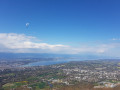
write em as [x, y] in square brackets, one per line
[27, 24]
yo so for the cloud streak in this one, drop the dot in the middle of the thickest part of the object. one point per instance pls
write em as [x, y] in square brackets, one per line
[115, 39]
[20, 43]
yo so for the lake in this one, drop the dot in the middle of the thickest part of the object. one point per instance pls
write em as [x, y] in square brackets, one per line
[44, 63]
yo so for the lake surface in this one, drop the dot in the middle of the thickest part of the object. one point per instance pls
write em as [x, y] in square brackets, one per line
[51, 62]
[44, 63]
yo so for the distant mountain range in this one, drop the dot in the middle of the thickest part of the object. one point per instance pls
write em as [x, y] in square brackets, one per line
[47, 55]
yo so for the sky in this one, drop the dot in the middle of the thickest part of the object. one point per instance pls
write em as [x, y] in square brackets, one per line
[60, 26]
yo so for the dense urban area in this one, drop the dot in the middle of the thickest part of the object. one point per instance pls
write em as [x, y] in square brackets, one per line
[74, 75]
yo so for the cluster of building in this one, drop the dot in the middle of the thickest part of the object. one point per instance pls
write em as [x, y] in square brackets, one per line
[97, 74]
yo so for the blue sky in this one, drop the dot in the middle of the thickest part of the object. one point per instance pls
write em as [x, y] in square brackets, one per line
[73, 23]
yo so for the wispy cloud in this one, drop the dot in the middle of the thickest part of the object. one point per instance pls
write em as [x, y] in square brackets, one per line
[115, 39]
[20, 43]
[23, 43]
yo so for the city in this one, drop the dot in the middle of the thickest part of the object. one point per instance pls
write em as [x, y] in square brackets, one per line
[96, 73]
